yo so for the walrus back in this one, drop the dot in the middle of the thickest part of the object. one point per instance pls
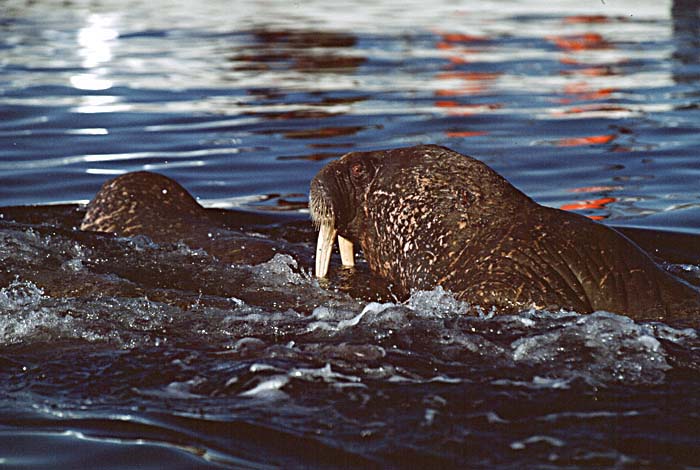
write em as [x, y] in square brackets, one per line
[616, 275]
[142, 203]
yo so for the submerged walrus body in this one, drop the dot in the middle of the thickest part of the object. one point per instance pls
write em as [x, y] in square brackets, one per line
[426, 216]
[143, 203]
[150, 204]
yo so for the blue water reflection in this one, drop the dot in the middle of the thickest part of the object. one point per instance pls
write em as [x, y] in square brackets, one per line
[251, 102]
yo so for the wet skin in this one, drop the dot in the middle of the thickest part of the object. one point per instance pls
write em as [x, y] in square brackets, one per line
[426, 216]
[150, 204]
[153, 205]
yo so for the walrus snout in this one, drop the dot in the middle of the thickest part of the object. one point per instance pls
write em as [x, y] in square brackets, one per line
[323, 214]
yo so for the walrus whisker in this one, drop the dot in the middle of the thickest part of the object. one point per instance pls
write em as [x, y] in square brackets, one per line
[347, 251]
[321, 211]
[324, 247]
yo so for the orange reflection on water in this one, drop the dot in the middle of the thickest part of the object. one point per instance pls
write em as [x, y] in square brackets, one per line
[461, 37]
[473, 82]
[586, 19]
[469, 83]
[590, 204]
[455, 44]
[593, 71]
[589, 140]
[465, 133]
[581, 92]
[462, 109]
[580, 42]
[584, 71]
[457, 40]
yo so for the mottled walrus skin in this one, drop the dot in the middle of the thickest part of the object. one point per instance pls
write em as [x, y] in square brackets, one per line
[150, 204]
[426, 216]
[142, 203]
[155, 206]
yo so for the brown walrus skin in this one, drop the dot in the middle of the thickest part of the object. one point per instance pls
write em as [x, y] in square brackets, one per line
[150, 204]
[155, 206]
[142, 203]
[427, 216]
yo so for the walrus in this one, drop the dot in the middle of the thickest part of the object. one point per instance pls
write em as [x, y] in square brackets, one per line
[142, 202]
[427, 216]
[151, 204]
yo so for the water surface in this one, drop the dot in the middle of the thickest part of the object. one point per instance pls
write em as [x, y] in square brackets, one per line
[117, 352]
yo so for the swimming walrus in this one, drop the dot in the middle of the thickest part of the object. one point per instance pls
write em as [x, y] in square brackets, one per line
[151, 204]
[155, 206]
[427, 216]
[143, 203]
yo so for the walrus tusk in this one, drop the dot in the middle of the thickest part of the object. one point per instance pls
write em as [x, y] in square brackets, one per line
[324, 246]
[347, 254]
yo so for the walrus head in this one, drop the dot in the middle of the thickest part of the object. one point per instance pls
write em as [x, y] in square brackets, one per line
[407, 189]
[335, 199]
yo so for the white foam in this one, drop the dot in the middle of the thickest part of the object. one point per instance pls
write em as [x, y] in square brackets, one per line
[436, 302]
[282, 269]
[324, 373]
[353, 321]
[336, 319]
[269, 387]
[617, 349]
[552, 441]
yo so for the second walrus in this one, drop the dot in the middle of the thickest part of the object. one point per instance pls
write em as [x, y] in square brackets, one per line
[426, 216]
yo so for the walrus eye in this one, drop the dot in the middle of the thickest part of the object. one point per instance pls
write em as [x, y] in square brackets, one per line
[357, 169]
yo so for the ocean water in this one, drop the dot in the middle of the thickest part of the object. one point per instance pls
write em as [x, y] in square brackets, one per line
[124, 352]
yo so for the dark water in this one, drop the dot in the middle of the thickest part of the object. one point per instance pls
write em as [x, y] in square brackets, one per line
[117, 353]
